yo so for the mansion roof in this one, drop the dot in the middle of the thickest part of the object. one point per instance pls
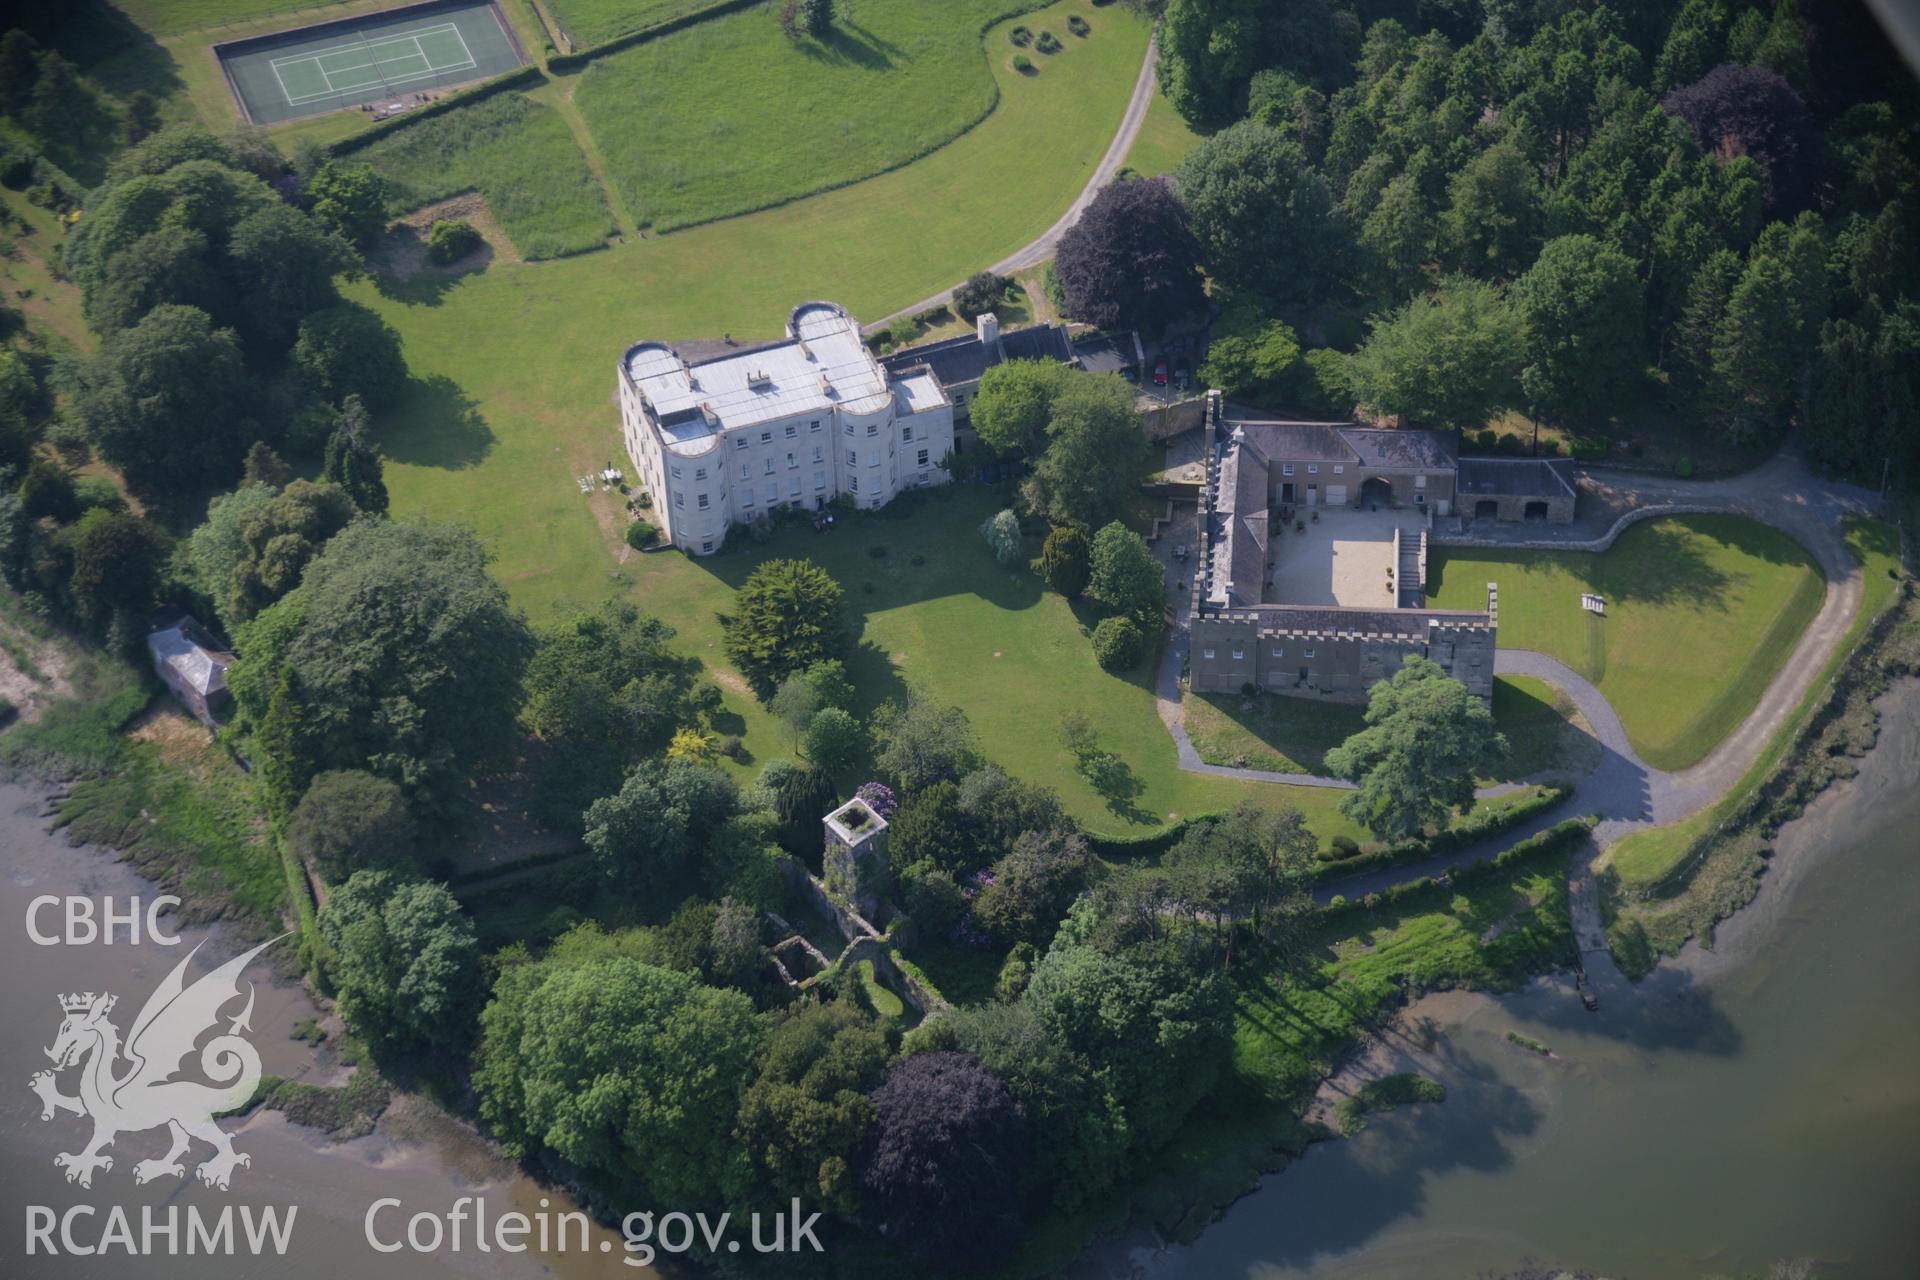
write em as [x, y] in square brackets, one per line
[821, 364]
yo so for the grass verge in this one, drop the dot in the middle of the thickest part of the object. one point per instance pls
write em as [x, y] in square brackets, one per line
[184, 819]
[1164, 140]
[1662, 887]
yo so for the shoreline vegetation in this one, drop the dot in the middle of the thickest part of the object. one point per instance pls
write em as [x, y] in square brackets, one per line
[1720, 867]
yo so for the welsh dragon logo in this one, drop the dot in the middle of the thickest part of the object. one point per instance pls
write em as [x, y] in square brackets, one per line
[144, 1093]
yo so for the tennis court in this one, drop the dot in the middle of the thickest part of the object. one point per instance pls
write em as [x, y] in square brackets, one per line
[380, 58]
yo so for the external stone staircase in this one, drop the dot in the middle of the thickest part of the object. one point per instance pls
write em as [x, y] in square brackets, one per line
[1410, 570]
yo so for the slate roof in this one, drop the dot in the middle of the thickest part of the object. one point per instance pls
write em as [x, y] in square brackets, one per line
[1239, 552]
[1297, 442]
[1108, 352]
[959, 360]
[187, 651]
[1514, 478]
[1037, 342]
[1382, 447]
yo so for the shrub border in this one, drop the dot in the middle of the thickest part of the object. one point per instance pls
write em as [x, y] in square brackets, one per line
[1557, 838]
[1334, 870]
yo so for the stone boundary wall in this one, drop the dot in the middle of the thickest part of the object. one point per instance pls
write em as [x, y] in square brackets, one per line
[1600, 543]
[1164, 422]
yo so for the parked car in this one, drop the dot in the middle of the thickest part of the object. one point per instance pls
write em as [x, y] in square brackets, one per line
[1182, 375]
[1160, 374]
[1130, 374]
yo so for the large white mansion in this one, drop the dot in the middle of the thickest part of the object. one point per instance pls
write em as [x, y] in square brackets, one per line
[725, 433]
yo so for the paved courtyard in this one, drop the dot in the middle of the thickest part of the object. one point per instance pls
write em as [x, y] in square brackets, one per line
[1340, 559]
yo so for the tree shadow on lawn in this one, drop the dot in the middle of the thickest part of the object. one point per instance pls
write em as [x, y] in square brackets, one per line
[850, 44]
[1541, 738]
[1298, 729]
[119, 57]
[1652, 563]
[402, 272]
[436, 424]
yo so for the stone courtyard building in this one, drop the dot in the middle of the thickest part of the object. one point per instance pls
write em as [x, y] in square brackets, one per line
[1312, 556]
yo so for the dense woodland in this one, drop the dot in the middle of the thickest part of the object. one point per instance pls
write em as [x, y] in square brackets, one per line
[1701, 213]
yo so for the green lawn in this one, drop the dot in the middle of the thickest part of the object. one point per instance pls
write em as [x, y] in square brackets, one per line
[592, 22]
[1293, 735]
[30, 276]
[937, 613]
[1545, 732]
[172, 17]
[1702, 612]
[516, 152]
[1647, 856]
[513, 372]
[730, 115]
[1163, 142]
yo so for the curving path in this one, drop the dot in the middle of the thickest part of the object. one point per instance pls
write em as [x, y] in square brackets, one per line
[1036, 251]
[1623, 791]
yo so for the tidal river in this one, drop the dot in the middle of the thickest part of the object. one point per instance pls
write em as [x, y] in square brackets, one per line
[1757, 1102]
[416, 1156]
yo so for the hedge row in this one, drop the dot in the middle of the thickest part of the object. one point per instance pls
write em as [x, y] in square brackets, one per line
[1555, 839]
[1474, 829]
[527, 75]
[561, 62]
[1149, 845]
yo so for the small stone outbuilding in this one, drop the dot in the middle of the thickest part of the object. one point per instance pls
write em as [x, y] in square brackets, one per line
[193, 666]
[1539, 489]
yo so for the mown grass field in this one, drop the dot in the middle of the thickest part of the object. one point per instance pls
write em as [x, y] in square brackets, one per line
[516, 152]
[592, 22]
[1647, 856]
[1702, 612]
[731, 115]
[1293, 735]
